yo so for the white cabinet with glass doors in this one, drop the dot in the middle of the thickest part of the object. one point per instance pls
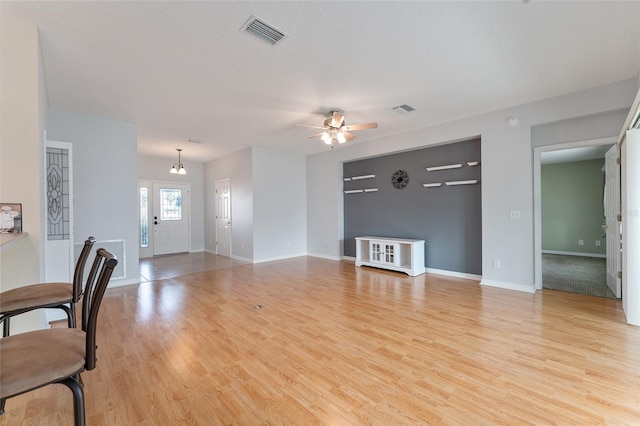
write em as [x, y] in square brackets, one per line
[396, 254]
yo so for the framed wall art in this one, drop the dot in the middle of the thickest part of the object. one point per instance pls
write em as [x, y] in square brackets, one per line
[10, 218]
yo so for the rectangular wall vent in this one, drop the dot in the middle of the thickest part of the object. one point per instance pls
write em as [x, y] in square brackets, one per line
[263, 31]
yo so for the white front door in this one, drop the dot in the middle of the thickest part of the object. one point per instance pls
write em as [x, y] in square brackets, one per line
[612, 225]
[59, 248]
[223, 217]
[170, 219]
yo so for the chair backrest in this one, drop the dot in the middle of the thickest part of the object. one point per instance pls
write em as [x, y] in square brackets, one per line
[99, 277]
[78, 274]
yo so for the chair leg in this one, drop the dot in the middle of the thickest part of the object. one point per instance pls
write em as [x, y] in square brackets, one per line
[71, 315]
[2, 406]
[78, 400]
[5, 327]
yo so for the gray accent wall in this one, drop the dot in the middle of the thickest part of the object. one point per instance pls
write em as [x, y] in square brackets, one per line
[448, 218]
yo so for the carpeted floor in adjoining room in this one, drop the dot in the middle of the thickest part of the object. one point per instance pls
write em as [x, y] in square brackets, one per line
[576, 274]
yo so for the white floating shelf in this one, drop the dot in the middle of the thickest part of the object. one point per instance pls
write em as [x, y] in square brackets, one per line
[472, 163]
[432, 185]
[461, 182]
[371, 190]
[353, 191]
[447, 167]
[362, 177]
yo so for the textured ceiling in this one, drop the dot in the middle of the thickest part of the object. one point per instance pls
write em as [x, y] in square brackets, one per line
[183, 70]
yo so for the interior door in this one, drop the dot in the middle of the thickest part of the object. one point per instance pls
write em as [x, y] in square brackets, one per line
[612, 224]
[170, 218]
[223, 217]
[59, 248]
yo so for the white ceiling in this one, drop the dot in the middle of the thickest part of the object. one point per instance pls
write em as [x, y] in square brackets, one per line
[183, 70]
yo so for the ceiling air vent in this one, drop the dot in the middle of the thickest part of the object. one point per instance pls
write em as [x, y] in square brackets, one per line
[403, 109]
[263, 31]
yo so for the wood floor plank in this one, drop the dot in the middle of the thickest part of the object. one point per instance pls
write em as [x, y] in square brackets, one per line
[335, 344]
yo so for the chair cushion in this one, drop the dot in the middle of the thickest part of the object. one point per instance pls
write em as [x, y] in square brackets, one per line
[35, 295]
[33, 359]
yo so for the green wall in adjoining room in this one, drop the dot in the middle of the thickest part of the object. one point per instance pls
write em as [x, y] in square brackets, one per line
[572, 207]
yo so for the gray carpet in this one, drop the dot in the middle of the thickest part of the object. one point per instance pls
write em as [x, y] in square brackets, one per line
[576, 274]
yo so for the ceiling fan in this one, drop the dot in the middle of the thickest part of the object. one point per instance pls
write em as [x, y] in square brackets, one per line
[336, 130]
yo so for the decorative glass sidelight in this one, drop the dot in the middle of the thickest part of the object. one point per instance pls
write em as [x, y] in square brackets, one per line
[144, 217]
[58, 197]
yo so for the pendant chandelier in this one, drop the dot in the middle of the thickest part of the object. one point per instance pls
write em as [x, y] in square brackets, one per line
[178, 168]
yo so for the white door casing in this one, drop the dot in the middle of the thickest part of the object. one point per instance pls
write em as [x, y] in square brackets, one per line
[170, 218]
[612, 224]
[537, 207]
[223, 217]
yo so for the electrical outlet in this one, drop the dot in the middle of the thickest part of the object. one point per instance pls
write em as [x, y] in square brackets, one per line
[598, 243]
[580, 242]
[514, 214]
[496, 263]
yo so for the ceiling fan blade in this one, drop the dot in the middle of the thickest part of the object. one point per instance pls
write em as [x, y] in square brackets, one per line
[348, 136]
[337, 120]
[361, 126]
[317, 136]
[313, 127]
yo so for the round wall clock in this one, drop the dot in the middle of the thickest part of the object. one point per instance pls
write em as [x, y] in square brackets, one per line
[400, 179]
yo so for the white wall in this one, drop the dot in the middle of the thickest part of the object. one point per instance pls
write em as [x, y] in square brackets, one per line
[157, 169]
[506, 177]
[238, 168]
[630, 176]
[23, 119]
[579, 129]
[279, 205]
[105, 170]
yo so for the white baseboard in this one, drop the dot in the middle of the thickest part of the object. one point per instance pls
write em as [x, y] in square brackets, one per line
[244, 259]
[437, 271]
[271, 259]
[509, 286]
[572, 253]
[324, 256]
[122, 283]
[453, 274]
[196, 251]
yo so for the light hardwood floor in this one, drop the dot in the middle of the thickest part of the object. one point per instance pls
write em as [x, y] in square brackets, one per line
[338, 345]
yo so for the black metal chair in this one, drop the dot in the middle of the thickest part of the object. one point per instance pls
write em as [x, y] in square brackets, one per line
[35, 359]
[58, 295]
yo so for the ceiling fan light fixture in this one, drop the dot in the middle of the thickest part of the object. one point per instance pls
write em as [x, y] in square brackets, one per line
[326, 138]
[341, 138]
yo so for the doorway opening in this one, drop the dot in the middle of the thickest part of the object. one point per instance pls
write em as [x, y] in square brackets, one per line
[577, 248]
